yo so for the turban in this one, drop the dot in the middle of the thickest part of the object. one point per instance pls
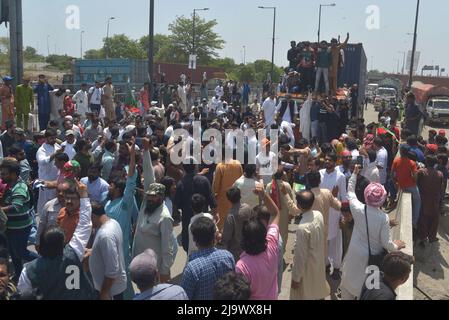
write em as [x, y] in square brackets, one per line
[375, 195]
[71, 169]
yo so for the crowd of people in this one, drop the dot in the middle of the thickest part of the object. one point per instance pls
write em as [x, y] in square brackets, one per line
[90, 203]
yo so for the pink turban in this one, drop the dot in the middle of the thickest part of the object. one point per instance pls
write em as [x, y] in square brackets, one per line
[375, 195]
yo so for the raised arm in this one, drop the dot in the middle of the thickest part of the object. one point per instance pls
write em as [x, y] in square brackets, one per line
[352, 197]
[344, 44]
[148, 171]
[269, 203]
[83, 230]
[293, 209]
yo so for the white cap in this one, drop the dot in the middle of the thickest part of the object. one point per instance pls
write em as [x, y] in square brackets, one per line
[130, 128]
[153, 103]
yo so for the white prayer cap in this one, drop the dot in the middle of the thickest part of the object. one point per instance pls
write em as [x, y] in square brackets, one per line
[129, 128]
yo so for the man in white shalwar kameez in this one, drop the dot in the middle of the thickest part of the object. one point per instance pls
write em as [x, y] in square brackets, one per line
[309, 269]
[47, 169]
[182, 94]
[354, 271]
[332, 179]
[269, 110]
[304, 118]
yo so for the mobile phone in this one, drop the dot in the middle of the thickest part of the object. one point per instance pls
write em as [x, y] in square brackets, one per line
[360, 161]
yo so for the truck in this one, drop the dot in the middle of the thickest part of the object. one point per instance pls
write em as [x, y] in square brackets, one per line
[371, 91]
[353, 72]
[433, 100]
[389, 91]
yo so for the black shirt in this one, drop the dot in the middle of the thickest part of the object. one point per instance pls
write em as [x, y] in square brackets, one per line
[385, 292]
[7, 142]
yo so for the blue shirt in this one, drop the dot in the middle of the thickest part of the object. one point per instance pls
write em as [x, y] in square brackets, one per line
[419, 154]
[96, 189]
[43, 97]
[315, 111]
[124, 210]
[205, 267]
[163, 292]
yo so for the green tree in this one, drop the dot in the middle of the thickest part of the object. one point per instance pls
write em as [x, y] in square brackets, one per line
[227, 64]
[30, 55]
[61, 62]
[120, 46]
[246, 74]
[160, 41]
[95, 54]
[207, 42]
[263, 68]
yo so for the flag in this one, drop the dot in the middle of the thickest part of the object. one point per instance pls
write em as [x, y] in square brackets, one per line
[130, 102]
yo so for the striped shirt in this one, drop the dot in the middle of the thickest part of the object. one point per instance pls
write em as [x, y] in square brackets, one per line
[19, 198]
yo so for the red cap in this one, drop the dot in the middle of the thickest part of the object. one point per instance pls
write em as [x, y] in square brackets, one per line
[381, 131]
[442, 133]
[433, 148]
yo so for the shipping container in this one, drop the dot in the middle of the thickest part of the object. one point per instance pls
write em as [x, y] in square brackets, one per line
[355, 70]
[135, 72]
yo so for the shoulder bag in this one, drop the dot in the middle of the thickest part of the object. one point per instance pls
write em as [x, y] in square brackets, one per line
[374, 260]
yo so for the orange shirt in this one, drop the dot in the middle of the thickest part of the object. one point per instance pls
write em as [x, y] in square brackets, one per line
[68, 223]
[404, 169]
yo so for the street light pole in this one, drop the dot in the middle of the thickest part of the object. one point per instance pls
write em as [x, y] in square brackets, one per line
[151, 45]
[244, 55]
[403, 61]
[319, 18]
[81, 44]
[274, 39]
[412, 62]
[107, 38]
[48, 45]
[194, 35]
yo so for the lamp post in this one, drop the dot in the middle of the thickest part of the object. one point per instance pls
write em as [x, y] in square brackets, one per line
[274, 38]
[403, 61]
[107, 37]
[244, 55]
[412, 62]
[81, 44]
[151, 45]
[319, 18]
[48, 45]
[194, 35]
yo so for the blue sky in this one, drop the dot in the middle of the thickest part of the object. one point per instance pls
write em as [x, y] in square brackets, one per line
[240, 24]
